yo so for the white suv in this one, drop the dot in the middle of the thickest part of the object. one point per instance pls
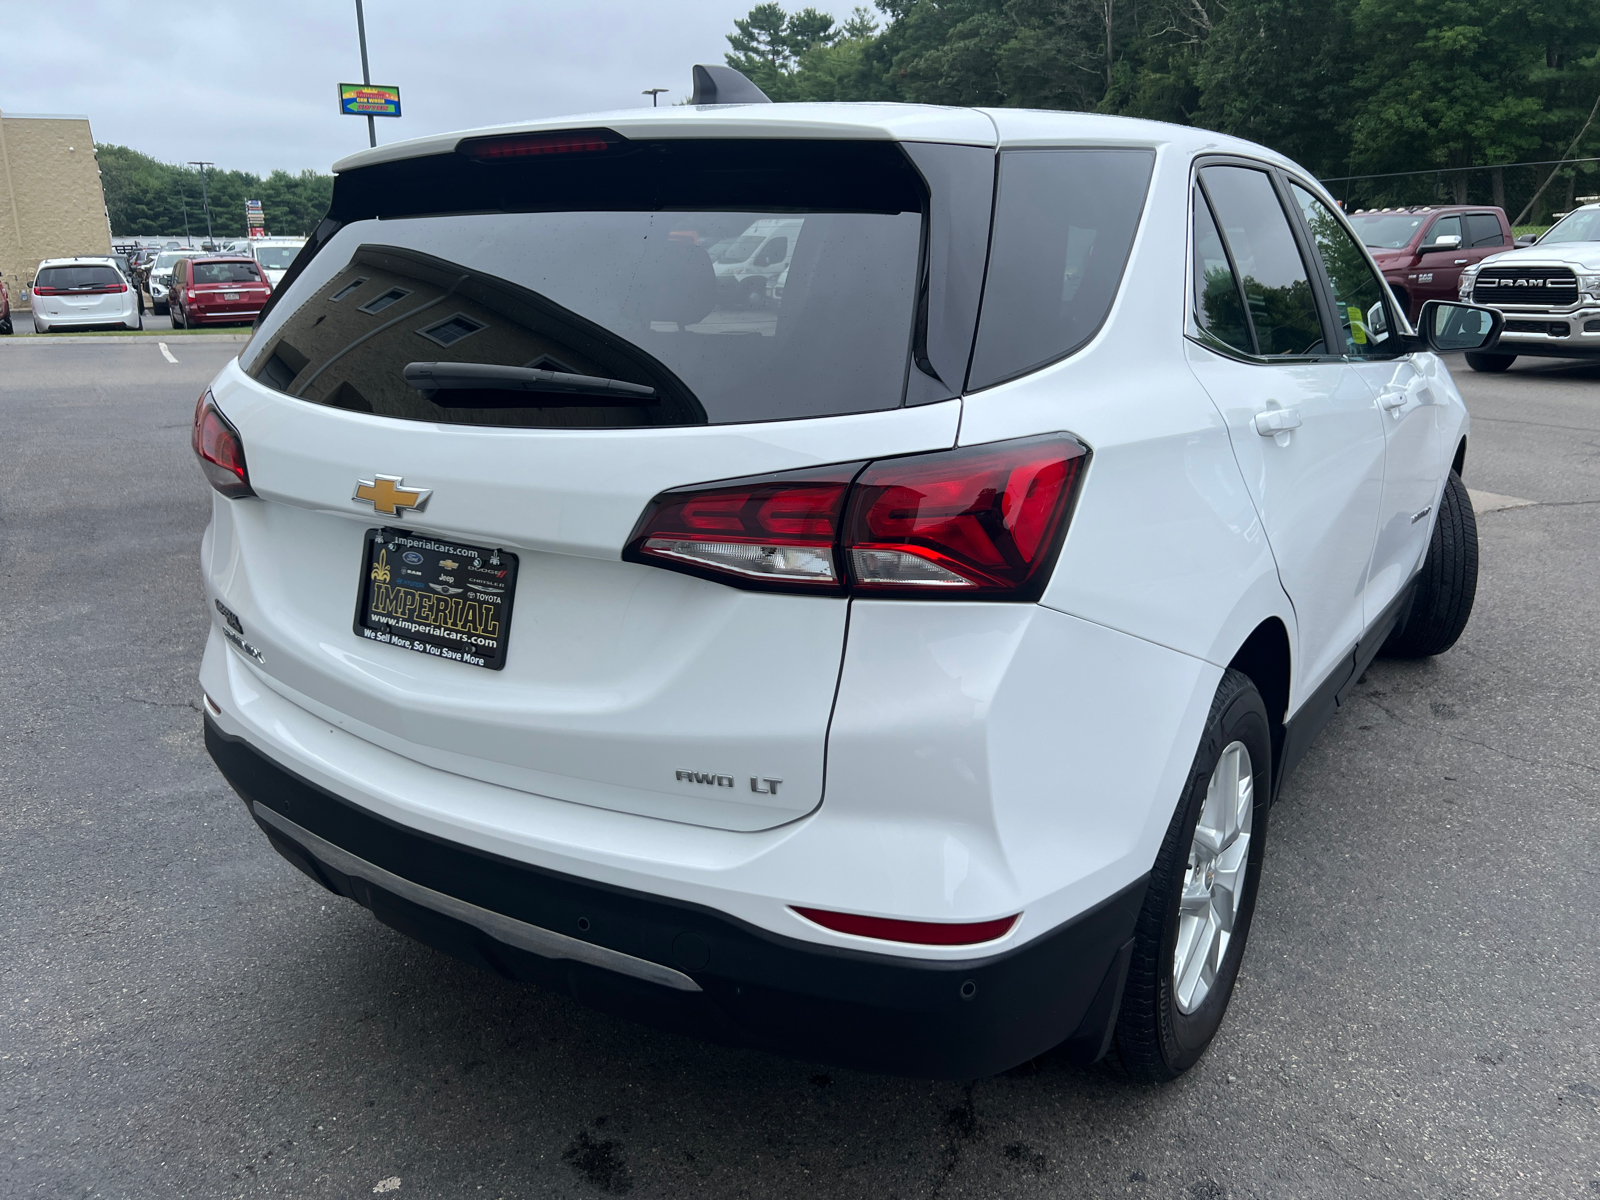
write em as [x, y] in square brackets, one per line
[85, 292]
[897, 676]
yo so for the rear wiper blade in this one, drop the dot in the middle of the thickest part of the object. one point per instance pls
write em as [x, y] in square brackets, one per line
[436, 380]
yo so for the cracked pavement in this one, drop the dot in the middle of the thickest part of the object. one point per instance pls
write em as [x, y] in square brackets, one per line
[184, 1014]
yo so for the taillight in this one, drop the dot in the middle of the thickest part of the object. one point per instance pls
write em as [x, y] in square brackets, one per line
[779, 531]
[216, 444]
[982, 522]
[920, 933]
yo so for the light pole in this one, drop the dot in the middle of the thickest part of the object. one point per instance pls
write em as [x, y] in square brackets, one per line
[366, 78]
[652, 93]
[204, 199]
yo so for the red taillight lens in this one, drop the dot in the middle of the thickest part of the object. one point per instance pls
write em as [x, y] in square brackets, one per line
[920, 933]
[979, 520]
[772, 530]
[536, 145]
[46, 291]
[216, 444]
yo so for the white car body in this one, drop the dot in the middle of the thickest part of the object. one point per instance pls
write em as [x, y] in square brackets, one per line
[939, 761]
[1559, 317]
[274, 255]
[108, 304]
[160, 275]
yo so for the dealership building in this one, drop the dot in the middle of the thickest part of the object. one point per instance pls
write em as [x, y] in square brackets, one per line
[51, 203]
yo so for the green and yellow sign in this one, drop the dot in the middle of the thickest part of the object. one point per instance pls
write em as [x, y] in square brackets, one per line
[369, 100]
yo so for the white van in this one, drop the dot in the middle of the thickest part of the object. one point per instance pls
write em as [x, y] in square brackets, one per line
[275, 255]
[751, 263]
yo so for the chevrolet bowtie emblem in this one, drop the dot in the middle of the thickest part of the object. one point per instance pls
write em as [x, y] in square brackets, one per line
[385, 494]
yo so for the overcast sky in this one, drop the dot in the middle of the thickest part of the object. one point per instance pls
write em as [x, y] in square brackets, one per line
[252, 85]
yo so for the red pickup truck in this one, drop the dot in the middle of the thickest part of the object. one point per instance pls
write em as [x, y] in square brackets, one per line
[1421, 251]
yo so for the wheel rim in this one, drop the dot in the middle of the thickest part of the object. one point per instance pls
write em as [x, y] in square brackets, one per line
[1213, 884]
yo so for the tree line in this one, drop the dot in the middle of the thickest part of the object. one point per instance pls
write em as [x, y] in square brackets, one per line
[148, 198]
[1345, 87]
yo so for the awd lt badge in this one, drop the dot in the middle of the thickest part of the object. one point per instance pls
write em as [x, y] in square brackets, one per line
[385, 493]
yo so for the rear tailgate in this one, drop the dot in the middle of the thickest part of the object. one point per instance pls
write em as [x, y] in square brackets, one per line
[623, 686]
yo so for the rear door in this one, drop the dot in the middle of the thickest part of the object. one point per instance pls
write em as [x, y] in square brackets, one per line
[1304, 428]
[620, 685]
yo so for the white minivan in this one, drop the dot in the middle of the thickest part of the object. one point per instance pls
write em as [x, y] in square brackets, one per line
[901, 679]
[748, 266]
[274, 255]
[78, 293]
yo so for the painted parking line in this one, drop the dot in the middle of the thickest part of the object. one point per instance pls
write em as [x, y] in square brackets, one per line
[165, 353]
[1488, 502]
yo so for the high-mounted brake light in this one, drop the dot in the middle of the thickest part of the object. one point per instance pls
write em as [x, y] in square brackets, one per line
[979, 522]
[920, 933]
[534, 145]
[216, 444]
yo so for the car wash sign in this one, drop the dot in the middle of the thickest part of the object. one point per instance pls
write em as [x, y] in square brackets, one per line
[369, 100]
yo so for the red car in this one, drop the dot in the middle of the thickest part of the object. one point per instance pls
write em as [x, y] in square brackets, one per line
[216, 290]
[1421, 251]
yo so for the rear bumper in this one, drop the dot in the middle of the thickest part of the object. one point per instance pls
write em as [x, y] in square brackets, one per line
[691, 968]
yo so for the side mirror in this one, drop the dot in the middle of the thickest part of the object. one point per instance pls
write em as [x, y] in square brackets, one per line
[1448, 327]
[1527, 239]
[1445, 241]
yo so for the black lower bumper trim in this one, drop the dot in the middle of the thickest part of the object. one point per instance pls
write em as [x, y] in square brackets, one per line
[959, 1019]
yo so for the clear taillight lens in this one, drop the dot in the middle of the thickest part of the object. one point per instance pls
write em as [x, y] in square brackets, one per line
[217, 445]
[978, 522]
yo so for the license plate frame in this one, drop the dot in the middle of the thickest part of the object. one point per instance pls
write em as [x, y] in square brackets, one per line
[475, 628]
[230, 296]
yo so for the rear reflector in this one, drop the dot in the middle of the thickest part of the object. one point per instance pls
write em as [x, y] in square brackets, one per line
[535, 145]
[980, 522]
[216, 444]
[919, 933]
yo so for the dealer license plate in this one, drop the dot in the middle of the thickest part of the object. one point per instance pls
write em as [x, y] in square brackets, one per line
[436, 597]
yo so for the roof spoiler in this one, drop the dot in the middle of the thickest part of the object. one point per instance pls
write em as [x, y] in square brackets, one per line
[724, 85]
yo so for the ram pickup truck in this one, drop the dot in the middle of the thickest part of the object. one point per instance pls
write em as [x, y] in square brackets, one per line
[1422, 251]
[1549, 293]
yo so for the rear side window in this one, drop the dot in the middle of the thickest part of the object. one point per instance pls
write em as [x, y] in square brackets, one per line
[1218, 303]
[675, 283]
[69, 278]
[1483, 229]
[1063, 226]
[226, 272]
[1277, 287]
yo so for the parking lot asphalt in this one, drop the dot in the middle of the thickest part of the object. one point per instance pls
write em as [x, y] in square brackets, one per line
[182, 1014]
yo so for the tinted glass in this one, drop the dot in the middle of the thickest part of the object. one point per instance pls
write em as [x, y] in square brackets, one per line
[276, 258]
[1444, 227]
[1581, 226]
[67, 278]
[619, 286]
[1358, 302]
[1483, 229]
[1387, 231]
[1218, 306]
[226, 272]
[1277, 288]
[1064, 223]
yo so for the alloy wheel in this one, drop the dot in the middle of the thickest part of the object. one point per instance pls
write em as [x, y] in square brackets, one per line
[1213, 884]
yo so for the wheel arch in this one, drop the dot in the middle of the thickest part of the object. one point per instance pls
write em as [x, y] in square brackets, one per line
[1267, 659]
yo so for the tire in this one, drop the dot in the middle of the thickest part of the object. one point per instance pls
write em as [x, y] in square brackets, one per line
[1156, 1039]
[1447, 583]
[173, 318]
[6, 326]
[1491, 364]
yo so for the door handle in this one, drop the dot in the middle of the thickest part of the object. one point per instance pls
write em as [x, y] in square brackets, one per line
[1276, 420]
[1393, 397]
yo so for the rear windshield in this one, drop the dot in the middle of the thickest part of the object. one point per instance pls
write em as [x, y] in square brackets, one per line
[68, 278]
[226, 272]
[715, 282]
[276, 258]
